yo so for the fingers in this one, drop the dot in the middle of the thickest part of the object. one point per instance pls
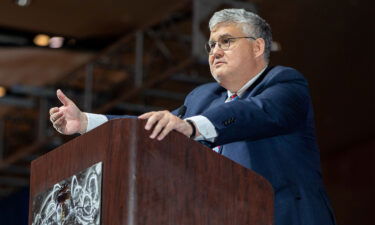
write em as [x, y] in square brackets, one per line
[152, 118]
[55, 116]
[168, 128]
[146, 115]
[162, 123]
[53, 110]
[62, 97]
[59, 124]
[58, 121]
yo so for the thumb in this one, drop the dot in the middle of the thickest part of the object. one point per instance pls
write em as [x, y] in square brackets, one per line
[62, 97]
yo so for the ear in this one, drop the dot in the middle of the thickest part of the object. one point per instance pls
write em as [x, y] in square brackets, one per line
[259, 47]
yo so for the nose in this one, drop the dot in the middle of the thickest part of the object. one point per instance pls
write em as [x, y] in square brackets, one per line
[217, 52]
[215, 49]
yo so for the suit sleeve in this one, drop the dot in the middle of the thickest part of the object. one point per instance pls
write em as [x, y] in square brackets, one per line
[280, 108]
[111, 117]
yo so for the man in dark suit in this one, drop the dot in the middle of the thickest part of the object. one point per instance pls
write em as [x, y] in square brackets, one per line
[256, 115]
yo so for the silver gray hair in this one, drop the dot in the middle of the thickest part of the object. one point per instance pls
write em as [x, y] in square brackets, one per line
[251, 23]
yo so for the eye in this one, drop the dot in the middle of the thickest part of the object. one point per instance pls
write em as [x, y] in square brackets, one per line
[225, 40]
[212, 44]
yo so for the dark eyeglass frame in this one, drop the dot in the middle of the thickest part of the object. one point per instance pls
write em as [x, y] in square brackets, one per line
[224, 41]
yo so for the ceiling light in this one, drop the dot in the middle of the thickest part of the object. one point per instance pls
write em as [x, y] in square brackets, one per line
[23, 3]
[2, 91]
[41, 40]
[56, 42]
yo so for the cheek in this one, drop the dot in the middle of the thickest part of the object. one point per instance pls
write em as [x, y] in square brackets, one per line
[212, 70]
[240, 55]
[210, 59]
[236, 58]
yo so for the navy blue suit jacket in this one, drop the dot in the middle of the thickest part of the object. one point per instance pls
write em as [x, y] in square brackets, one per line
[270, 130]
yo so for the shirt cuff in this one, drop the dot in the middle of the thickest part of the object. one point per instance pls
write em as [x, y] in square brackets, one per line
[94, 120]
[205, 128]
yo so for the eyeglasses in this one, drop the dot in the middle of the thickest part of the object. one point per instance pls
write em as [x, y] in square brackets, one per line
[223, 43]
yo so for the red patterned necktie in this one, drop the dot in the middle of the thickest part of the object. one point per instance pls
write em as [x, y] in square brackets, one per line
[233, 97]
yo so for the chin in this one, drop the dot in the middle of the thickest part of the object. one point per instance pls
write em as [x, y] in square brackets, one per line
[220, 79]
[219, 74]
[216, 78]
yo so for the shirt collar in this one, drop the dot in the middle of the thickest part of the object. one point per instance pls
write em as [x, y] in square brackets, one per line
[247, 85]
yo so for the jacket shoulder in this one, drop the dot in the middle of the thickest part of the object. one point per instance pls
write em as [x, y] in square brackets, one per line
[207, 87]
[212, 88]
[284, 73]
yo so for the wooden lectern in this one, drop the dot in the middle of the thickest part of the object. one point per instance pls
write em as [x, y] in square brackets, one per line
[176, 181]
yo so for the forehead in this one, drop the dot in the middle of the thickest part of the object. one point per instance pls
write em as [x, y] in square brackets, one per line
[226, 29]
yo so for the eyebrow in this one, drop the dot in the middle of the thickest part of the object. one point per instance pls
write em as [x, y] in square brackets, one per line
[223, 36]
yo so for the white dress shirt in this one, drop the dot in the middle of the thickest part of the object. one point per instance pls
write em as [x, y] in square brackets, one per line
[94, 120]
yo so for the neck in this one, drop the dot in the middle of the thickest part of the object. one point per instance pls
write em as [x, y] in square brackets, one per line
[258, 67]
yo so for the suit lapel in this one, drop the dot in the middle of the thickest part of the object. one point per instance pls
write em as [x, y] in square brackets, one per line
[218, 100]
[206, 99]
[258, 81]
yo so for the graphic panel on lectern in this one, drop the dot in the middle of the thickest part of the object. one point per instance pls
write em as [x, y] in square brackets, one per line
[74, 201]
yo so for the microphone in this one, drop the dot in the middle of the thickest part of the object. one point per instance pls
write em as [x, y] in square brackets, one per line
[181, 111]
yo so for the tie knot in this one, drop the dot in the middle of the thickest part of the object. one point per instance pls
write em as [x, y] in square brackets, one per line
[232, 97]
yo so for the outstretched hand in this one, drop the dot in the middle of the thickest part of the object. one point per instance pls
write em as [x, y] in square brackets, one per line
[67, 119]
[163, 122]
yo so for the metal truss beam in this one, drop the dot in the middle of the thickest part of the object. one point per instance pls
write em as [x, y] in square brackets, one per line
[137, 107]
[33, 91]
[150, 83]
[18, 102]
[164, 94]
[17, 170]
[14, 181]
[191, 79]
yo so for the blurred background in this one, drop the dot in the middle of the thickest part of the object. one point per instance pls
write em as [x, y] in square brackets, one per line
[129, 57]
